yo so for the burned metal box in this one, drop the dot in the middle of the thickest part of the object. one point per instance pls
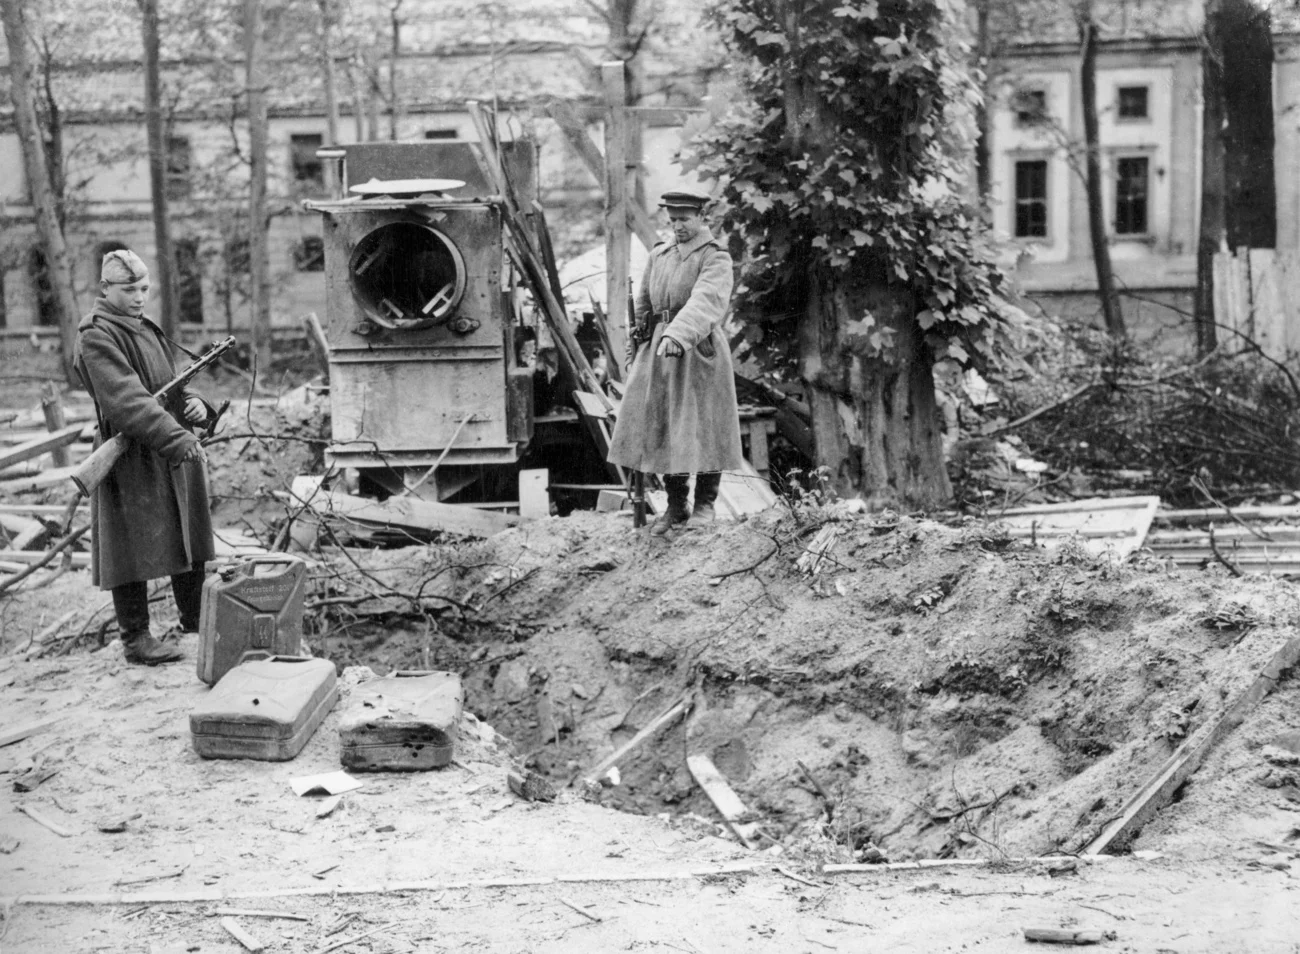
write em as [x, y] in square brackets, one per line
[264, 709]
[422, 362]
[405, 722]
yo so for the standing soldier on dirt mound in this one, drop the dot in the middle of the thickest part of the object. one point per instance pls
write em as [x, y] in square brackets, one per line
[150, 515]
[679, 412]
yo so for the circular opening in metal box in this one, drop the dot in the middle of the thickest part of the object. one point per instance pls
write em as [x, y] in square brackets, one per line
[407, 276]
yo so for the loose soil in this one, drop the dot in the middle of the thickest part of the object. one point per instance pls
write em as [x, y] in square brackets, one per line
[957, 694]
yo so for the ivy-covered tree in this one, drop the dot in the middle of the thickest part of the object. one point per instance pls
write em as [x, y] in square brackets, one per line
[862, 264]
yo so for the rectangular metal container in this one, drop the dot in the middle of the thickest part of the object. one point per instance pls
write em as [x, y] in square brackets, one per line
[404, 723]
[251, 611]
[264, 709]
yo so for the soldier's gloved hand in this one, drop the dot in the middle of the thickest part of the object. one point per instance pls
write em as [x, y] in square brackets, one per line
[196, 412]
[668, 348]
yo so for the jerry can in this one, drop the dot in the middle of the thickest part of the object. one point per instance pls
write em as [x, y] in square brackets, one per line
[251, 610]
[405, 722]
[264, 709]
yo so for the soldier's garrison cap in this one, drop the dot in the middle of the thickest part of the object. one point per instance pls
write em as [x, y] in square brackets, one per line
[684, 199]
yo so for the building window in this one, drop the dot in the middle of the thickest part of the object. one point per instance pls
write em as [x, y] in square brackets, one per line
[1030, 106]
[178, 167]
[308, 170]
[237, 256]
[441, 134]
[189, 281]
[1132, 102]
[309, 254]
[1031, 198]
[1131, 195]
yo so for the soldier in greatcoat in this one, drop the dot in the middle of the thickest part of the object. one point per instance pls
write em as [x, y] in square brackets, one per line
[150, 515]
[678, 415]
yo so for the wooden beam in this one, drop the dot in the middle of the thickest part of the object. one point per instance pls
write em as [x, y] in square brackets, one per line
[1178, 768]
[55, 419]
[79, 560]
[41, 445]
[409, 513]
[659, 722]
[618, 195]
[575, 134]
[10, 736]
[724, 798]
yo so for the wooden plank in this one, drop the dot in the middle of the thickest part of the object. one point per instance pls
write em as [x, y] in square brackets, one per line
[653, 727]
[596, 417]
[17, 734]
[617, 197]
[1266, 305]
[41, 445]
[534, 497]
[44, 822]
[1205, 515]
[412, 513]
[48, 478]
[575, 134]
[243, 937]
[724, 799]
[1160, 789]
[55, 419]
[79, 560]
[1117, 525]
[1063, 936]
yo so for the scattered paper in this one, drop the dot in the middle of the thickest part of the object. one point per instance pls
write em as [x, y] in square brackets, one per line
[328, 783]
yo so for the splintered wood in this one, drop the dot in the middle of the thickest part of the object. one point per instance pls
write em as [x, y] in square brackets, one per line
[818, 550]
[724, 799]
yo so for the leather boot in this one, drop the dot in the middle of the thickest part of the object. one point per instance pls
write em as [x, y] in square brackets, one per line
[706, 494]
[143, 650]
[676, 513]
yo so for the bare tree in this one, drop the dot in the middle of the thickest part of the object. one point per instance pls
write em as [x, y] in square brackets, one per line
[1213, 226]
[158, 163]
[259, 265]
[1111, 311]
[44, 202]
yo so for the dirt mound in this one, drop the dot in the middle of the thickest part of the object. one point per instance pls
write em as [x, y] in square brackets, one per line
[955, 692]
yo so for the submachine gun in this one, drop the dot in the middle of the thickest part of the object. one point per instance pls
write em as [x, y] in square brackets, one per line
[96, 467]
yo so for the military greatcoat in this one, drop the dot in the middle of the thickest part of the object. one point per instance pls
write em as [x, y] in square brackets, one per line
[150, 515]
[678, 415]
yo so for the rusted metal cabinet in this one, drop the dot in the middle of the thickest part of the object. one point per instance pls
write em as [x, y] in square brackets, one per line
[422, 358]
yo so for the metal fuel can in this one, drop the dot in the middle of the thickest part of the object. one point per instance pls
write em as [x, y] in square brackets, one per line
[252, 610]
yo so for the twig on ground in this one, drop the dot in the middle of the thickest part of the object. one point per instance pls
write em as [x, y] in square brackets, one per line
[1214, 549]
[828, 804]
[352, 940]
[1205, 492]
[50, 554]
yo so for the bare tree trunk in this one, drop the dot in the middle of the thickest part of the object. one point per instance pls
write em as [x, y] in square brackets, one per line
[394, 84]
[258, 265]
[1213, 225]
[331, 92]
[1110, 307]
[356, 79]
[165, 259]
[983, 155]
[43, 198]
[1247, 45]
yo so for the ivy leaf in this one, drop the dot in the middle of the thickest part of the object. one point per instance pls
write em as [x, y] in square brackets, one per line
[860, 237]
[868, 11]
[956, 351]
[768, 38]
[927, 319]
[849, 176]
[760, 202]
[820, 242]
